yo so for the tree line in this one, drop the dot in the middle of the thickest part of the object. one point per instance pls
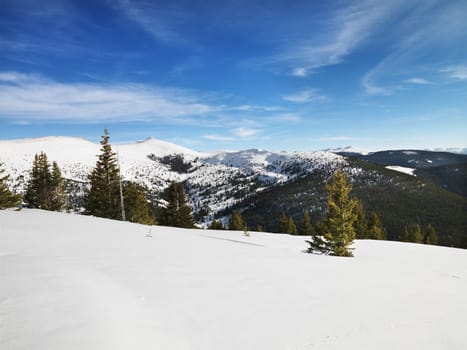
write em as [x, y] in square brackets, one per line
[345, 221]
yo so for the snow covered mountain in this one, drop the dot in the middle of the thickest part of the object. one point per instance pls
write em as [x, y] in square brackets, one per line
[214, 181]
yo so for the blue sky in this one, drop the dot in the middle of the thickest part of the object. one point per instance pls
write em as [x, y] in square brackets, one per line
[237, 74]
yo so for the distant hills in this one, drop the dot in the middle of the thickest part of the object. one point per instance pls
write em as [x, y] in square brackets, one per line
[263, 184]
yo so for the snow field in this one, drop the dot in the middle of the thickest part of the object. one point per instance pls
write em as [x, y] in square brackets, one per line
[76, 282]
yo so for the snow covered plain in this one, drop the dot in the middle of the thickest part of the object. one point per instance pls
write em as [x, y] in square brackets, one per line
[76, 282]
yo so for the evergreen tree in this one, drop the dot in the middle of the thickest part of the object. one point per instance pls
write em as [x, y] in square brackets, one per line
[291, 228]
[430, 235]
[7, 198]
[45, 189]
[259, 228]
[306, 227]
[216, 225]
[236, 222]
[416, 234]
[57, 191]
[136, 205]
[177, 213]
[375, 227]
[283, 223]
[361, 223]
[338, 226]
[405, 237]
[103, 197]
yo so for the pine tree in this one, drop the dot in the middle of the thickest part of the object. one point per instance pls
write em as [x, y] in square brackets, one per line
[283, 223]
[216, 225]
[338, 226]
[405, 237]
[103, 197]
[291, 228]
[236, 222]
[430, 235]
[177, 213]
[57, 190]
[375, 227]
[136, 205]
[39, 183]
[416, 234]
[361, 223]
[45, 189]
[7, 198]
[306, 227]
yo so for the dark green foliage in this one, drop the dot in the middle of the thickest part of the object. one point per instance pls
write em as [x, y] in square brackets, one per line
[338, 226]
[103, 197]
[291, 228]
[416, 235]
[361, 223]
[136, 205]
[413, 158]
[405, 236]
[306, 227]
[216, 225]
[430, 235]
[58, 196]
[283, 223]
[259, 228]
[236, 222]
[45, 189]
[375, 228]
[452, 177]
[7, 198]
[178, 212]
[176, 163]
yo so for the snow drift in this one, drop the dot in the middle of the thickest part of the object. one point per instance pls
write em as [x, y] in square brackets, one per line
[77, 282]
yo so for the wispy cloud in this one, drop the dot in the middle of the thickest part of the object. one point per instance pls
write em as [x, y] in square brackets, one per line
[336, 138]
[456, 72]
[245, 132]
[418, 81]
[29, 97]
[348, 28]
[157, 20]
[287, 117]
[218, 138]
[427, 27]
[305, 96]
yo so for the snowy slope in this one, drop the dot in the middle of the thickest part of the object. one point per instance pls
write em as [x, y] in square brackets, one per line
[214, 180]
[76, 282]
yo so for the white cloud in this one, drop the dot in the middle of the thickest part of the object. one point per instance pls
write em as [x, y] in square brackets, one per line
[218, 138]
[27, 97]
[336, 138]
[456, 72]
[299, 72]
[245, 132]
[305, 96]
[288, 117]
[418, 81]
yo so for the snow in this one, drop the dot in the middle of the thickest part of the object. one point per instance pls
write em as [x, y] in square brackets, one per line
[214, 180]
[77, 282]
[402, 169]
[349, 149]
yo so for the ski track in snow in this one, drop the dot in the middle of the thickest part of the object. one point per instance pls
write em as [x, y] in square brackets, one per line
[76, 282]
